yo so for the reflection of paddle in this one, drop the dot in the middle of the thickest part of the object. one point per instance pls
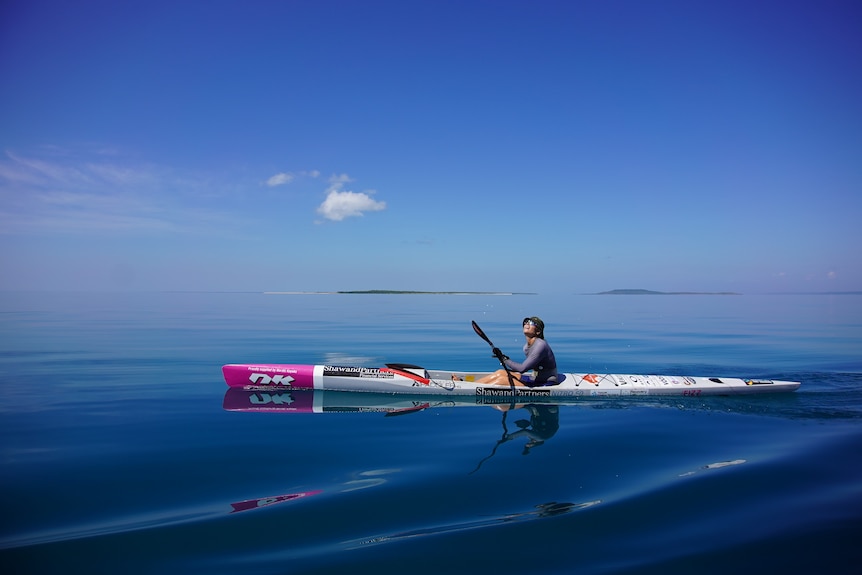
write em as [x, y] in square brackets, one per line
[498, 354]
[405, 410]
[500, 441]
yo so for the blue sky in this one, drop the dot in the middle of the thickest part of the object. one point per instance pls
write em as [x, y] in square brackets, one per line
[551, 147]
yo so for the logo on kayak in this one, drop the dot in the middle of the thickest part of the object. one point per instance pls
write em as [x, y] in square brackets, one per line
[344, 371]
[592, 378]
[486, 392]
[264, 379]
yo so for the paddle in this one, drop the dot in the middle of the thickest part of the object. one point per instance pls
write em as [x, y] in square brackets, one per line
[497, 353]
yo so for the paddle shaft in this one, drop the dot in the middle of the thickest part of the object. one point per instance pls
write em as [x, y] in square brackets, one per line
[498, 353]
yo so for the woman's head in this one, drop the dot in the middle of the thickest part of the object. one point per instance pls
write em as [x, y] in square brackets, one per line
[540, 325]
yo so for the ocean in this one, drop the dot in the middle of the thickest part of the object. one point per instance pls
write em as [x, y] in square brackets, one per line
[119, 456]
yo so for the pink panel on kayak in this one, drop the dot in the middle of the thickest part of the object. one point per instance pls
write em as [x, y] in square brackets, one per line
[269, 376]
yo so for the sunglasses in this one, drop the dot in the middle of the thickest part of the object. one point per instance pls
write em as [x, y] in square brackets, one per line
[530, 322]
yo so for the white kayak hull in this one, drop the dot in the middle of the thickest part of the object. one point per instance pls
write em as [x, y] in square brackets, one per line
[414, 380]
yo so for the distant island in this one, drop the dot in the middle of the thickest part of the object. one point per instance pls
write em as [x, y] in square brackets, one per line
[651, 292]
[397, 292]
[408, 292]
[487, 293]
[388, 291]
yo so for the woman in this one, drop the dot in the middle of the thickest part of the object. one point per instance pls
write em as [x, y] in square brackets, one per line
[538, 369]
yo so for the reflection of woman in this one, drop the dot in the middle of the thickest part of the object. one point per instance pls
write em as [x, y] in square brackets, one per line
[540, 366]
[544, 420]
[544, 423]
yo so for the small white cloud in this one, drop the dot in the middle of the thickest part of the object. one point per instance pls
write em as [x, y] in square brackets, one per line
[832, 275]
[340, 205]
[280, 179]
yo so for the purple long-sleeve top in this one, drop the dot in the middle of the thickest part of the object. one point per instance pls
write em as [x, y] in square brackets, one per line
[540, 358]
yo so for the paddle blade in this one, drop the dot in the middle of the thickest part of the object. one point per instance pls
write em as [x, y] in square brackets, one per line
[481, 333]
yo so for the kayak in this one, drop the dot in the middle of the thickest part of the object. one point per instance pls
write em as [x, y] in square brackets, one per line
[400, 378]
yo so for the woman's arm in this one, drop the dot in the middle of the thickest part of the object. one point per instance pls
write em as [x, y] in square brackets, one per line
[534, 357]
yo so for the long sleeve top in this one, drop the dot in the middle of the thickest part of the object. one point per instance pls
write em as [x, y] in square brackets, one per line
[540, 358]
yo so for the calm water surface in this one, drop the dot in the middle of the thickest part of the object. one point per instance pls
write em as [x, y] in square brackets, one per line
[119, 457]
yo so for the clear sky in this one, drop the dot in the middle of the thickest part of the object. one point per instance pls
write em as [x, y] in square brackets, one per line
[541, 146]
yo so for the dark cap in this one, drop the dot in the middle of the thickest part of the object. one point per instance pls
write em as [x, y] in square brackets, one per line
[540, 325]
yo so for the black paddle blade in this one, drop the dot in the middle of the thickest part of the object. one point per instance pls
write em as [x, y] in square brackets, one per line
[481, 333]
[499, 355]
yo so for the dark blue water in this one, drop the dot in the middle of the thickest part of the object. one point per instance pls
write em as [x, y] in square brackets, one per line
[118, 457]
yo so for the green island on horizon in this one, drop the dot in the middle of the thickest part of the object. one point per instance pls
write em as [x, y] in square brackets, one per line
[502, 293]
[398, 292]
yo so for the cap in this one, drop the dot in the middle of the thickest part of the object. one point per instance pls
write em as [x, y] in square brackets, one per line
[538, 323]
